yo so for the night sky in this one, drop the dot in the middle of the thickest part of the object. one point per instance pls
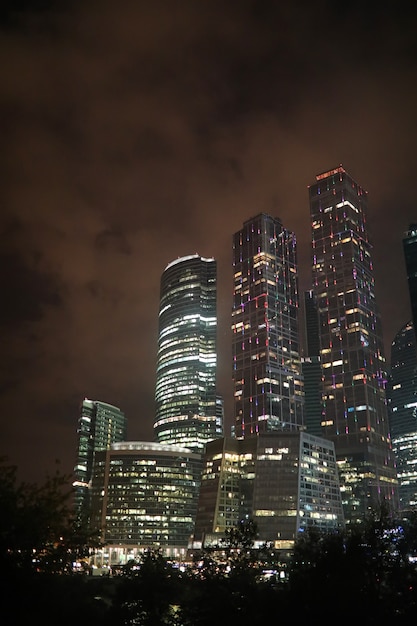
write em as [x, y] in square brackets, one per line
[136, 132]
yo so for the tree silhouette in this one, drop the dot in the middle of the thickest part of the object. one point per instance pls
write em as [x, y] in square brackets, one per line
[39, 541]
[365, 568]
[38, 532]
[148, 592]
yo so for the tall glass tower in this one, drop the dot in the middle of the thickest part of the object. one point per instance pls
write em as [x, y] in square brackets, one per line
[402, 395]
[268, 387]
[355, 415]
[410, 256]
[99, 425]
[311, 366]
[187, 408]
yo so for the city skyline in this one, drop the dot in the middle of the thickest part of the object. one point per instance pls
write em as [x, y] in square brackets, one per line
[132, 138]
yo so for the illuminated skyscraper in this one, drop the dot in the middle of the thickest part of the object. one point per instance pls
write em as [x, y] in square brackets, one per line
[188, 411]
[402, 394]
[311, 366]
[355, 414]
[99, 425]
[268, 390]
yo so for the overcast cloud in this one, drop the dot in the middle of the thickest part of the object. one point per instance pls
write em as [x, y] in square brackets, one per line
[136, 132]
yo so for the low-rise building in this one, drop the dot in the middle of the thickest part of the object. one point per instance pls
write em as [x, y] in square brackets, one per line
[284, 481]
[144, 495]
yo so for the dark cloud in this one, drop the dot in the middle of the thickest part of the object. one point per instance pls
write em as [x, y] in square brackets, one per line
[137, 132]
[112, 241]
[27, 292]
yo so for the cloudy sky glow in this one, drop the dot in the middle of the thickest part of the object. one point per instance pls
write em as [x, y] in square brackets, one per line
[135, 132]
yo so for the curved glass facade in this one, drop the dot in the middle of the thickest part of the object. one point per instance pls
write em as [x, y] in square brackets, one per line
[145, 494]
[187, 413]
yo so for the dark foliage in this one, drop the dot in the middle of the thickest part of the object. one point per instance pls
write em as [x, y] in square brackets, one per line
[147, 592]
[38, 532]
[39, 541]
[364, 572]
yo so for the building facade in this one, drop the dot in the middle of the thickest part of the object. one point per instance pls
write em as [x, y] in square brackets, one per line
[188, 410]
[99, 425]
[311, 366]
[268, 386]
[284, 481]
[354, 411]
[402, 395]
[410, 257]
[145, 495]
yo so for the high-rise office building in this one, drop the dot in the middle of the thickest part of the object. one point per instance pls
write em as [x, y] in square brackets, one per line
[188, 410]
[99, 425]
[410, 256]
[285, 481]
[311, 366]
[268, 388]
[355, 415]
[402, 396]
[145, 494]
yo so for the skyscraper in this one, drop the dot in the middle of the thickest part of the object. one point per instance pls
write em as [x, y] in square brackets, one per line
[355, 414]
[311, 366]
[99, 425]
[410, 256]
[268, 389]
[402, 394]
[188, 410]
